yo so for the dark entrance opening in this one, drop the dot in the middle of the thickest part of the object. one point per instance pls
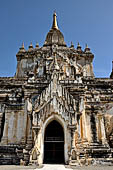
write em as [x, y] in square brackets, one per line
[54, 143]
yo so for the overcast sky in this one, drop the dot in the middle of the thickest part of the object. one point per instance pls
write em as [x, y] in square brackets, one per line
[83, 21]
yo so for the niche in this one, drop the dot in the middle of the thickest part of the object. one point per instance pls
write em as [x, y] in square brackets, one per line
[74, 156]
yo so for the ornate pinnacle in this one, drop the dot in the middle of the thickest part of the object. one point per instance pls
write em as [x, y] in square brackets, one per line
[37, 45]
[31, 46]
[87, 49]
[22, 45]
[72, 44]
[78, 47]
[78, 44]
[86, 45]
[54, 26]
[22, 49]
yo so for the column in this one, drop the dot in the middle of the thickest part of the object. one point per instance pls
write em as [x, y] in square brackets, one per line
[88, 126]
[4, 140]
[1, 116]
[101, 131]
[73, 137]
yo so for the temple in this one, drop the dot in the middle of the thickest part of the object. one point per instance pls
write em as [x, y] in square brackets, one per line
[54, 110]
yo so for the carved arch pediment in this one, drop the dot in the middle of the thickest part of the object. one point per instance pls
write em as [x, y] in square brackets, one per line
[55, 99]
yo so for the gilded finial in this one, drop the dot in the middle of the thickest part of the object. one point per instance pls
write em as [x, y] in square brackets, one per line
[23, 45]
[54, 26]
[86, 45]
[72, 44]
[87, 49]
[78, 47]
[78, 44]
[22, 49]
[37, 45]
[31, 46]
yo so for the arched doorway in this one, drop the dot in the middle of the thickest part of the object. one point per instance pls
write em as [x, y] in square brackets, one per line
[54, 143]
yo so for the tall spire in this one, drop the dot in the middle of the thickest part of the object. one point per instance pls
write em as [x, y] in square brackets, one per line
[54, 36]
[54, 26]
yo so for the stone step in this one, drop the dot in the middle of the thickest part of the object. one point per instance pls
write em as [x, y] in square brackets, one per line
[105, 161]
[9, 161]
[8, 155]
